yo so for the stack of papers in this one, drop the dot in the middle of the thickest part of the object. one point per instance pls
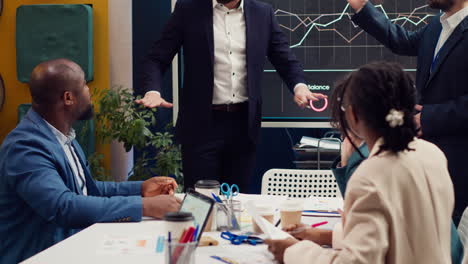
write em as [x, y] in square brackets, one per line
[314, 142]
[323, 206]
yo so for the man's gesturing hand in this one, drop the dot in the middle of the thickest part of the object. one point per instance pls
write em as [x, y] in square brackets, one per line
[357, 4]
[153, 99]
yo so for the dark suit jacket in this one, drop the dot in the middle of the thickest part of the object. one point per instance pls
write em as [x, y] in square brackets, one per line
[443, 94]
[40, 201]
[191, 27]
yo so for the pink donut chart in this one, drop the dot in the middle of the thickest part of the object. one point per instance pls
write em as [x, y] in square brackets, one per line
[321, 109]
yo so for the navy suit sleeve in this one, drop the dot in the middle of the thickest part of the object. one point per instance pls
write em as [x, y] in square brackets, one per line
[449, 118]
[281, 56]
[394, 37]
[40, 185]
[163, 51]
[108, 189]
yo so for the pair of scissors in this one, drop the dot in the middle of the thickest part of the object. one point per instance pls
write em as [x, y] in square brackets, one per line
[229, 191]
[239, 239]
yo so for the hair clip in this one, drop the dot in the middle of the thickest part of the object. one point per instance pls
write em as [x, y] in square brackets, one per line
[395, 118]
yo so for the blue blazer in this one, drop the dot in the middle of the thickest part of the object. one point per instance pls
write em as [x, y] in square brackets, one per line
[191, 28]
[40, 201]
[443, 93]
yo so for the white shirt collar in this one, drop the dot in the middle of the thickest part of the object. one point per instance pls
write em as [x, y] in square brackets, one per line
[64, 140]
[453, 21]
[241, 6]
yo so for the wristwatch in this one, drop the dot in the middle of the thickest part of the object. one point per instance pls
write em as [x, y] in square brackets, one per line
[2, 91]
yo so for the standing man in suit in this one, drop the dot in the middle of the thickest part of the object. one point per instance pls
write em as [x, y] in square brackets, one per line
[225, 45]
[47, 192]
[442, 78]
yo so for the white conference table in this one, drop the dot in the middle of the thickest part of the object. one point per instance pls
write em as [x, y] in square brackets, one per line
[90, 245]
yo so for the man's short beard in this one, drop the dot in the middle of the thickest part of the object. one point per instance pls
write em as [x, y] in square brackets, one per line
[444, 5]
[87, 114]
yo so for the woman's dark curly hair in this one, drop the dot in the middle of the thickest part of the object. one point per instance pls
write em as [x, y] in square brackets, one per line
[372, 91]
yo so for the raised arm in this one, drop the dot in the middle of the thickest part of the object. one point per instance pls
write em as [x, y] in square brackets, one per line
[377, 24]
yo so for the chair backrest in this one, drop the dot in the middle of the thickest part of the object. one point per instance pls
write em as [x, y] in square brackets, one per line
[300, 183]
[463, 228]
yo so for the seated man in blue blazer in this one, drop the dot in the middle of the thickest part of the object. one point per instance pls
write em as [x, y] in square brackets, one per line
[46, 189]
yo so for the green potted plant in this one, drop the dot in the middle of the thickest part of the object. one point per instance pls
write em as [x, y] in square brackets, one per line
[119, 118]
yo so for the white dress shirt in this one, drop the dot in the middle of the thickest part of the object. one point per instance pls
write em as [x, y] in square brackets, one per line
[73, 160]
[448, 26]
[230, 63]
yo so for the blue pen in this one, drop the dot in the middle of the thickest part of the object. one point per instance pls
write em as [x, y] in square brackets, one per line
[224, 260]
[321, 212]
[195, 233]
[216, 198]
[169, 240]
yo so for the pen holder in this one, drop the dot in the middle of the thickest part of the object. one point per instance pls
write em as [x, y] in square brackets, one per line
[180, 253]
[228, 215]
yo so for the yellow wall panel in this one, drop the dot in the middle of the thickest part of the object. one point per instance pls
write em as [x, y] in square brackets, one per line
[17, 93]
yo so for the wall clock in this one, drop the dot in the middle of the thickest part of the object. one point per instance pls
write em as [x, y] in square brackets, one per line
[2, 92]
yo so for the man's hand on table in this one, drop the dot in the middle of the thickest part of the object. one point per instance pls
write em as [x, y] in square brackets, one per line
[158, 186]
[159, 205]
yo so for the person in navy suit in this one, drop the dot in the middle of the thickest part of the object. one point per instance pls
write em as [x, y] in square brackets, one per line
[225, 45]
[441, 78]
[46, 190]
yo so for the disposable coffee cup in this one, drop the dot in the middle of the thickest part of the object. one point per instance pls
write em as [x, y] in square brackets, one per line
[291, 212]
[207, 187]
[265, 211]
[177, 222]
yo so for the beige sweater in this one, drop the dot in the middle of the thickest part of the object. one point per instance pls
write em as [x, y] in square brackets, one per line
[397, 211]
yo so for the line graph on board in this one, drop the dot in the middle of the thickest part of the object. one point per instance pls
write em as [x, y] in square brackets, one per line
[328, 44]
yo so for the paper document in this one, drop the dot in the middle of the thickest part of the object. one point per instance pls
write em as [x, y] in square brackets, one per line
[325, 204]
[127, 245]
[270, 231]
[243, 254]
[322, 206]
[314, 142]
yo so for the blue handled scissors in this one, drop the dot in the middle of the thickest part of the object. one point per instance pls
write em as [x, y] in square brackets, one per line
[229, 191]
[239, 239]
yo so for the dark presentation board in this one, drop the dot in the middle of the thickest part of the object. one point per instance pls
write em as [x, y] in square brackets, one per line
[329, 45]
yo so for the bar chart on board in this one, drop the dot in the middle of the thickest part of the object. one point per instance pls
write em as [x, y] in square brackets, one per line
[328, 44]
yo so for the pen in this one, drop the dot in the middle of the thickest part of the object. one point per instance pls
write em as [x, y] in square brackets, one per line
[319, 224]
[224, 260]
[278, 223]
[216, 198]
[169, 240]
[195, 233]
[320, 211]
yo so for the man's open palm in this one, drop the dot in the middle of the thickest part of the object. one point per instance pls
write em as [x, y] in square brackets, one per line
[152, 100]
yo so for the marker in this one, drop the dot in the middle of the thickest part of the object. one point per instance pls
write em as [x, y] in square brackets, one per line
[319, 224]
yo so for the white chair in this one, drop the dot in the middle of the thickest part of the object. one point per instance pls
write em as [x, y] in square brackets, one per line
[300, 183]
[463, 229]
